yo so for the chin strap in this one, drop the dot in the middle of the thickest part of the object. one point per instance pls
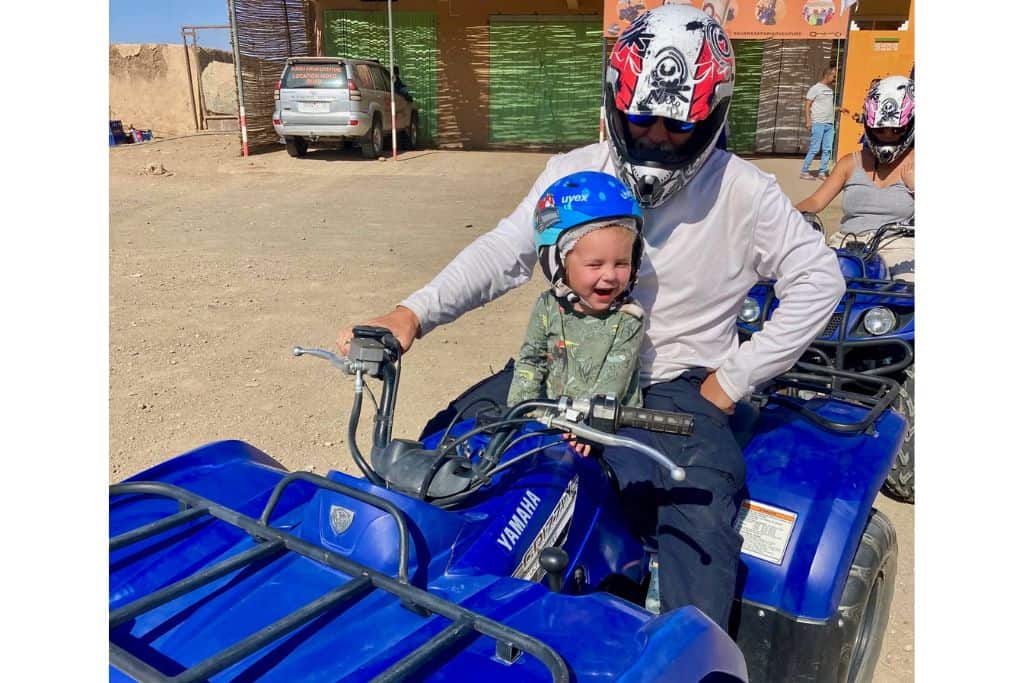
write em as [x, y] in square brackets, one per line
[566, 297]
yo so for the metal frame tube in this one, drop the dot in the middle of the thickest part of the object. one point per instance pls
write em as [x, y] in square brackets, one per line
[238, 77]
[391, 58]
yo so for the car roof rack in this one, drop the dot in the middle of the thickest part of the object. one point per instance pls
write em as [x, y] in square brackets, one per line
[271, 542]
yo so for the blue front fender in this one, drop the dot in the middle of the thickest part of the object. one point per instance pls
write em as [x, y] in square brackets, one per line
[829, 481]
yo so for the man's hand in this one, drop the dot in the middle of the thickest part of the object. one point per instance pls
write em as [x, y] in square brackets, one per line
[712, 391]
[402, 322]
[809, 125]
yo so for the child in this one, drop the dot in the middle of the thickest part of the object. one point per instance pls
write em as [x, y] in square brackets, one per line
[584, 334]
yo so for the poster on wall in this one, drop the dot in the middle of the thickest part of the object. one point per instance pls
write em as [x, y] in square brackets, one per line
[748, 19]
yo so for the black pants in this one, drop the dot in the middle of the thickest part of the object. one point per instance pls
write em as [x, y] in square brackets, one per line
[691, 521]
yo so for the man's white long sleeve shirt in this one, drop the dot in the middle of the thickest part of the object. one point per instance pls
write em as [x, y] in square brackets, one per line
[704, 248]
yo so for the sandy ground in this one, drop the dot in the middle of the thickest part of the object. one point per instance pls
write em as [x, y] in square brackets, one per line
[220, 264]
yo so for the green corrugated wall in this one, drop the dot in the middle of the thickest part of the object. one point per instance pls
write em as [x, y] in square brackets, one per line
[743, 110]
[545, 80]
[364, 35]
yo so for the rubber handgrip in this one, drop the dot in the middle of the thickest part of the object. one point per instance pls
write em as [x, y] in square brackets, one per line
[656, 420]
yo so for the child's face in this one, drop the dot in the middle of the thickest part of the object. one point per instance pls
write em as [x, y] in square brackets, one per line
[598, 267]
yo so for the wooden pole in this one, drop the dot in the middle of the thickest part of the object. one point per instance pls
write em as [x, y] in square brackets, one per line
[238, 78]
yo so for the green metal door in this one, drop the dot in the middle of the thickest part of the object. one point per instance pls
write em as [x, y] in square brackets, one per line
[364, 35]
[545, 80]
[744, 106]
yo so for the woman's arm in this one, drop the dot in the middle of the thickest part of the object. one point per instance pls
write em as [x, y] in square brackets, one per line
[824, 195]
[907, 171]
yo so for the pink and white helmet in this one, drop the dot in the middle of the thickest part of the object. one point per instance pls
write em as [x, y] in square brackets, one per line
[673, 61]
[890, 104]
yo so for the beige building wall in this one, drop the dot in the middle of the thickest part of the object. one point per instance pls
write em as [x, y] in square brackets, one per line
[149, 84]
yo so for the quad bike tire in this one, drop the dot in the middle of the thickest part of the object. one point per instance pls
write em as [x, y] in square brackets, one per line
[296, 146]
[867, 598]
[373, 146]
[410, 137]
[899, 484]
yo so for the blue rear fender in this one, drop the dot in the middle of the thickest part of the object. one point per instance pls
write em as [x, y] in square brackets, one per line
[231, 473]
[829, 482]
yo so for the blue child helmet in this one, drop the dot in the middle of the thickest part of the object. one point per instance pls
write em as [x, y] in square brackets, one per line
[574, 201]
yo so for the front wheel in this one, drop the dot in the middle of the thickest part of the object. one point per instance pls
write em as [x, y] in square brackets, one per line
[410, 137]
[899, 484]
[867, 598]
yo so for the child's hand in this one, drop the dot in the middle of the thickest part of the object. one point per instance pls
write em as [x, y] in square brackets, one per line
[582, 448]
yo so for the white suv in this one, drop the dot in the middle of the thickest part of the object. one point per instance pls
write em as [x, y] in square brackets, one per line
[325, 101]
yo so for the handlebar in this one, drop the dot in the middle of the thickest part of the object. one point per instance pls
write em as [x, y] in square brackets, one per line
[595, 419]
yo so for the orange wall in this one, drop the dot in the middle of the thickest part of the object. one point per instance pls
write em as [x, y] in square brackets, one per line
[871, 54]
[463, 59]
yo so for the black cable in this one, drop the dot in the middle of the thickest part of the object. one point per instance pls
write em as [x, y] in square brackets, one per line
[478, 430]
[486, 479]
[376, 407]
[497, 445]
[446, 456]
[461, 412]
[435, 467]
[451, 500]
[353, 422]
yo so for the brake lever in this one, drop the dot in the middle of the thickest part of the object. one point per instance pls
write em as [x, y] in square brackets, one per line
[343, 363]
[604, 438]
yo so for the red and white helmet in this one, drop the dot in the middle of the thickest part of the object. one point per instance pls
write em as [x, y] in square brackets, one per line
[890, 104]
[673, 61]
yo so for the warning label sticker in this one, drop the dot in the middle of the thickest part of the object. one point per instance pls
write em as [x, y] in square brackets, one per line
[765, 530]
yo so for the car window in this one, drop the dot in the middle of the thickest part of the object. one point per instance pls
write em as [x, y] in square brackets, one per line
[315, 75]
[380, 78]
[363, 77]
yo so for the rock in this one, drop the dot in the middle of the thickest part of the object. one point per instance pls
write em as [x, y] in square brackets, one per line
[154, 168]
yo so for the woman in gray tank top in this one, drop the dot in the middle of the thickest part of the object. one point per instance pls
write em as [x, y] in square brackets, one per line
[878, 182]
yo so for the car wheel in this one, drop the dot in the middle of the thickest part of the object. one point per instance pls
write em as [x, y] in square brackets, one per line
[411, 136]
[296, 146]
[867, 598]
[899, 484]
[373, 146]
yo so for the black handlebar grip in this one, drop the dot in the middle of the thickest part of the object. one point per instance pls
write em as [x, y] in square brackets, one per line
[381, 334]
[656, 420]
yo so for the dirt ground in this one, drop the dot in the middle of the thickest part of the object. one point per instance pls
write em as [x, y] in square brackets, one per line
[220, 264]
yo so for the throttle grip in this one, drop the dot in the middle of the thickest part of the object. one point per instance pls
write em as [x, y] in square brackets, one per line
[656, 420]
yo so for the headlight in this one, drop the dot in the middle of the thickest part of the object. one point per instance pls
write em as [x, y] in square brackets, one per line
[750, 311]
[879, 321]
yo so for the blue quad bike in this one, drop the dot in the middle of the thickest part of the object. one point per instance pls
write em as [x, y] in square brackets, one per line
[871, 332]
[492, 551]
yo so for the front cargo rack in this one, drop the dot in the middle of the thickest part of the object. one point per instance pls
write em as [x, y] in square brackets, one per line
[273, 542]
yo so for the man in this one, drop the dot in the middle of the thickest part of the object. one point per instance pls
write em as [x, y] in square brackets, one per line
[400, 87]
[713, 225]
[819, 114]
